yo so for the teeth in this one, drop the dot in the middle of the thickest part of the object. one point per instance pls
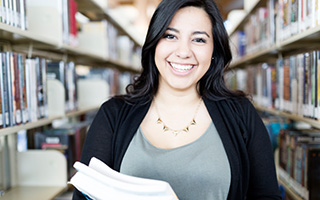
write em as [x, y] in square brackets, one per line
[181, 68]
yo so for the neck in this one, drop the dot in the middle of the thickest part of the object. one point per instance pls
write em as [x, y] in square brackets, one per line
[177, 98]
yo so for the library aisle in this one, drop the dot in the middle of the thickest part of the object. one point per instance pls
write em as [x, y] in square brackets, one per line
[276, 58]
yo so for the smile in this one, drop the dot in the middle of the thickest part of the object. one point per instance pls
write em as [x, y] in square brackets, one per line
[181, 68]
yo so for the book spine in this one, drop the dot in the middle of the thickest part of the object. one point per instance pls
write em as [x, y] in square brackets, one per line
[313, 172]
[43, 65]
[23, 20]
[17, 88]
[10, 88]
[2, 105]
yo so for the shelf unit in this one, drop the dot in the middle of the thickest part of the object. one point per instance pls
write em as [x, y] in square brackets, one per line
[31, 43]
[294, 117]
[288, 189]
[308, 39]
[34, 44]
[43, 122]
[33, 192]
[94, 11]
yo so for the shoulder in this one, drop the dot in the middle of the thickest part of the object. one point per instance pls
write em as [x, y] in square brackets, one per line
[239, 105]
[113, 103]
[119, 106]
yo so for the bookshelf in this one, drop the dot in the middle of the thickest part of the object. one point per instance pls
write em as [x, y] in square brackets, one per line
[39, 184]
[307, 39]
[45, 121]
[301, 40]
[284, 51]
[294, 117]
[33, 192]
[21, 40]
[94, 11]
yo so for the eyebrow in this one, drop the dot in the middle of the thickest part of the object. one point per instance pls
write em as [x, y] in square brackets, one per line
[194, 33]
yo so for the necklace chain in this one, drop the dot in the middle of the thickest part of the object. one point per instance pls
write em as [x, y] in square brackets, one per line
[175, 132]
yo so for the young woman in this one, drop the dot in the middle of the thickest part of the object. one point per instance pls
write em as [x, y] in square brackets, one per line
[179, 122]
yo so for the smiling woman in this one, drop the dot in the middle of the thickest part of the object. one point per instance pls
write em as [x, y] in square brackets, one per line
[178, 121]
[183, 54]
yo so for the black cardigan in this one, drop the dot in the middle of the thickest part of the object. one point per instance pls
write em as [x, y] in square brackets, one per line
[242, 132]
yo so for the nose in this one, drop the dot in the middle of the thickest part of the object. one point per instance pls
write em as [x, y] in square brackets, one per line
[183, 49]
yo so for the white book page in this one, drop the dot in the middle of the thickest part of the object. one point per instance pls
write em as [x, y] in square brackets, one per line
[105, 177]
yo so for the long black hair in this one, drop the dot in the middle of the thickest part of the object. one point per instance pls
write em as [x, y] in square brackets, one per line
[211, 85]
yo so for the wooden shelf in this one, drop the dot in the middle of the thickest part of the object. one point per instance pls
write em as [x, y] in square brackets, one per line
[289, 191]
[308, 39]
[43, 122]
[21, 40]
[291, 186]
[33, 192]
[241, 24]
[294, 117]
[263, 55]
[81, 112]
[94, 11]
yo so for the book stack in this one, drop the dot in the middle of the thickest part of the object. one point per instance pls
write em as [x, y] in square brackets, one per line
[299, 159]
[13, 12]
[99, 181]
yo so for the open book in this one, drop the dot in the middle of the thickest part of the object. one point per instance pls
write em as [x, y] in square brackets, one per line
[99, 181]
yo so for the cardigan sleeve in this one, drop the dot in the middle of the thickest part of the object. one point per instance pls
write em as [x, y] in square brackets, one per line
[99, 138]
[262, 182]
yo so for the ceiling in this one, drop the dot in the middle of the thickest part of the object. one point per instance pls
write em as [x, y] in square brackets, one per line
[139, 12]
[146, 7]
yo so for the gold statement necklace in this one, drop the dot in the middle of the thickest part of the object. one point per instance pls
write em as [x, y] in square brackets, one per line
[175, 132]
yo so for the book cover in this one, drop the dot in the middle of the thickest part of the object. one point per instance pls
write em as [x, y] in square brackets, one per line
[98, 181]
[314, 172]
[16, 88]
[10, 93]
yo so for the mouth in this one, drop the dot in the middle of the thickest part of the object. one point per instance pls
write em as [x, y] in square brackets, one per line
[181, 67]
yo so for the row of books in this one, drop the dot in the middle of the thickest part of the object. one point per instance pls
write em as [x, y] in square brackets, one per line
[297, 16]
[291, 84]
[23, 89]
[299, 160]
[56, 19]
[103, 38]
[259, 31]
[116, 80]
[13, 12]
[67, 138]
[277, 21]
[65, 72]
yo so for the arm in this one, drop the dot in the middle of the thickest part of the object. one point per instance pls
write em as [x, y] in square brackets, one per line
[263, 183]
[99, 138]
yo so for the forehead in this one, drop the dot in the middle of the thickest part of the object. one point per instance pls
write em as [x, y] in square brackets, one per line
[191, 18]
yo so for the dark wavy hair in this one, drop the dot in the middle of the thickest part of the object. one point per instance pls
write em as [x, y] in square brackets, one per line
[211, 85]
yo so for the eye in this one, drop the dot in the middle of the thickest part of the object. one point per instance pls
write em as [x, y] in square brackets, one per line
[169, 36]
[199, 40]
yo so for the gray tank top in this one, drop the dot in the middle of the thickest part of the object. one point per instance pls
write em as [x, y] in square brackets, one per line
[199, 170]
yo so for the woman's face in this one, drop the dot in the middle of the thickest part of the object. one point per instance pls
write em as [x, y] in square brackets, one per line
[183, 55]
